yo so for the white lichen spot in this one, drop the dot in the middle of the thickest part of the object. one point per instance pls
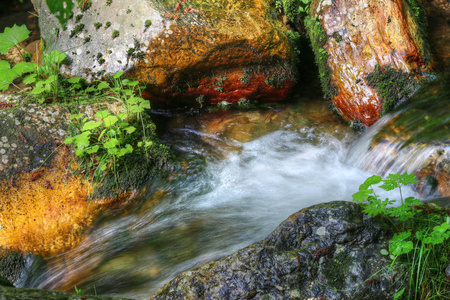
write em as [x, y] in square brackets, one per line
[321, 231]
[45, 119]
[17, 122]
[170, 31]
[5, 159]
[13, 145]
[31, 110]
[31, 148]
[61, 132]
[27, 118]
[4, 139]
[2, 151]
[52, 120]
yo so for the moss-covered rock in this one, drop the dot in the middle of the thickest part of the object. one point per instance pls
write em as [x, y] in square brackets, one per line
[350, 38]
[329, 250]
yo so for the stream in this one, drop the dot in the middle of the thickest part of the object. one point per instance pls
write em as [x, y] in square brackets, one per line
[240, 174]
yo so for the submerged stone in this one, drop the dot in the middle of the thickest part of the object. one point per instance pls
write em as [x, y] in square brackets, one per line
[330, 250]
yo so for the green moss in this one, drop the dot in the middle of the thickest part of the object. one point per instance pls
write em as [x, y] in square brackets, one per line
[115, 34]
[291, 10]
[128, 11]
[87, 39]
[109, 2]
[148, 23]
[97, 25]
[78, 18]
[245, 79]
[12, 264]
[318, 38]
[335, 268]
[77, 30]
[337, 37]
[108, 24]
[392, 86]
[416, 11]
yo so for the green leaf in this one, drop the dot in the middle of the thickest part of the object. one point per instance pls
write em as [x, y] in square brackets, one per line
[12, 36]
[130, 129]
[103, 85]
[62, 9]
[68, 140]
[361, 196]
[384, 252]
[122, 116]
[370, 181]
[110, 120]
[29, 79]
[74, 80]
[55, 57]
[117, 75]
[24, 67]
[7, 75]
[132, 83]
[91, 125]
[51, 79]
[111, 143]
[136, 109]
[75, 116]
[103, 167]
[39, 88]
[93, 149]
[399, 294]
[102, 114]
[399, 244]
[90, 89]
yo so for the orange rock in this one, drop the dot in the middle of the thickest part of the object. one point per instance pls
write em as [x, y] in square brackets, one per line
[233, 53]
[359, 36]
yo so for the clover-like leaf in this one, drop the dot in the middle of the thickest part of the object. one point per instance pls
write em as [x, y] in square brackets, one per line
[24, 67]
[111, 143]
[102, 114]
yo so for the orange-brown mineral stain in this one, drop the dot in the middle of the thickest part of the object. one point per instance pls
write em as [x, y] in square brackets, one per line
[35, 218]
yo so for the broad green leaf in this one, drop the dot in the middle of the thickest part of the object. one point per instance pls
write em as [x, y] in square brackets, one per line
[122, 116]
[90, 89]
[361, 196]
[103, 167]
[68, 140]
[130, 129]
[370, 181]
[24, 67]
[111, 143]
[79, 152]
[55, 57]
[62, 9]
[91, 125]
[12, 36]
[7, 75]
[123, 124]
[75, 116]
[112, 151]
[74, 80]
[51, 79]
[384, 252]
[39, 88]
[110, 120]
[29, 79]
[93, 149]
[102, 85]
[148, 144]
[117, 75]
[136, 109]
[399, 244]
[145, 104]
[132, 83]
[102, 114]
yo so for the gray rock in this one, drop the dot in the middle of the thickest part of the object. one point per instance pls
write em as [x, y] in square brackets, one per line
[329, 250]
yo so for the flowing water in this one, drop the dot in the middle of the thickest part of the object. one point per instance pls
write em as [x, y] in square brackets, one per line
[239, 175]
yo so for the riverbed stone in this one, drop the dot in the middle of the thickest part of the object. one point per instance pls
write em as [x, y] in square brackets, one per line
[327, 251]
[370, 53]
[184, 51]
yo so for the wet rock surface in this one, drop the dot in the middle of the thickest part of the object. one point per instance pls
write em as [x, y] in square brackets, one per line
[351, 38]
[328, 250]
[204, 51]
[11, 293]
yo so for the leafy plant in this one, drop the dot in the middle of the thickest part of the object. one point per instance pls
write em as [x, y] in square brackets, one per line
[105, 141]
[422, 234]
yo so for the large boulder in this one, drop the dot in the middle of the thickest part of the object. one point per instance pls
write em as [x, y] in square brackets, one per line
[370, 53]
[327, 251]
[205, 50]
